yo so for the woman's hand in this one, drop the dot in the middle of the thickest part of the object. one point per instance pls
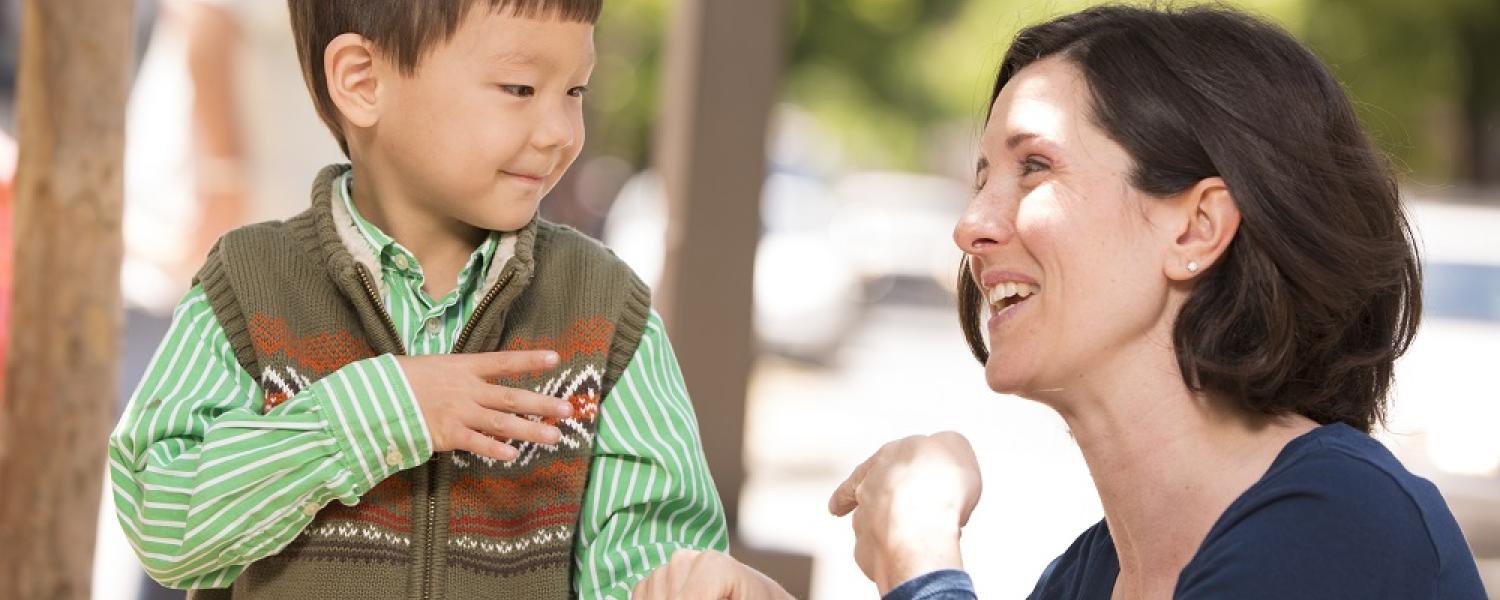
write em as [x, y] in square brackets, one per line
[694, 575]
[912, 498]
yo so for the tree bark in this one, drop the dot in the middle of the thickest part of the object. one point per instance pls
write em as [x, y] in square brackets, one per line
[63, 355]
[723, 62]
[723, 66]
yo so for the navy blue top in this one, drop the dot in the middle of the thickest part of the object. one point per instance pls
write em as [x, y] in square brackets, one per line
[1336, 516]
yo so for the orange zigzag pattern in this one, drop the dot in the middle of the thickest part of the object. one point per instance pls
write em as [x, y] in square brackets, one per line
[584, 336]
[480, 494]
[320, 353]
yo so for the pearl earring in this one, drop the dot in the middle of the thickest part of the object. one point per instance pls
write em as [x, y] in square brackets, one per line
[1192, 266]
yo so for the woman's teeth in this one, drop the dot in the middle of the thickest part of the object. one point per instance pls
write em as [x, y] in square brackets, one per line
[1009, 293]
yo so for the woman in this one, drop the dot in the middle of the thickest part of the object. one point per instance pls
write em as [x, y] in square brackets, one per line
[1190, 250]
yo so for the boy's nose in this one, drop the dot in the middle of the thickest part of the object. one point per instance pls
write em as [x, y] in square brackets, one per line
[556, 131]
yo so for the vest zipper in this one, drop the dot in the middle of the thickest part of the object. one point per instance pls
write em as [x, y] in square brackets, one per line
[432, 482]
[384, 314]
[463, 336]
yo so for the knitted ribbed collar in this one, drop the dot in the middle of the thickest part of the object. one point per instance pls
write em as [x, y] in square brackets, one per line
[392, 255]
[339, 244]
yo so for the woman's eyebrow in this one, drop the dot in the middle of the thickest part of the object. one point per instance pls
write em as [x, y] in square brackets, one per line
[984, 163]
[1016, 139]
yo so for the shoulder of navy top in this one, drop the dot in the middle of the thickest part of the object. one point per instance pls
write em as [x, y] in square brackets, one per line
[1335, 516]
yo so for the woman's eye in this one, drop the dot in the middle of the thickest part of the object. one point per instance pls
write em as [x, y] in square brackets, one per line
[1033, 164]
[523, 91]
[578, 92]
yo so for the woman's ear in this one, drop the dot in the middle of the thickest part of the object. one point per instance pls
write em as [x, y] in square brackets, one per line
[1204, 222]
[353, 84]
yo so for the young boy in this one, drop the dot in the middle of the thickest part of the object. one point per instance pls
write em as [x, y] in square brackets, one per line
[350, 353]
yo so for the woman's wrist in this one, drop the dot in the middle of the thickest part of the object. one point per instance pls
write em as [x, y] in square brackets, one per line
[906, 557]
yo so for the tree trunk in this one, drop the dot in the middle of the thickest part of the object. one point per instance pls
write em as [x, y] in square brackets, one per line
[723, 59]
[61, 365]
[1478, 39]
[723, 65]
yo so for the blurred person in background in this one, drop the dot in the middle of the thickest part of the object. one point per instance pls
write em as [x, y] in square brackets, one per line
[1190, 250]
[220, 134]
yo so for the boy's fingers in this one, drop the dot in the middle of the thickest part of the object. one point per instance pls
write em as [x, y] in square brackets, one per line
[507, 425]
[490, 365]
[484, 445]
[523, 402]
[647, 589]
[684, 562]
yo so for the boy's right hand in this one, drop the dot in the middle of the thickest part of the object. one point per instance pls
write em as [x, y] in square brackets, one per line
[463, 409]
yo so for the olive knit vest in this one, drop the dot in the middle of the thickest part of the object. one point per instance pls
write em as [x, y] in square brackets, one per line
[296, 305]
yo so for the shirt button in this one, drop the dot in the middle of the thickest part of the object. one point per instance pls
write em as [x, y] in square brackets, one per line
[434, 326]
[401, 262]
[310, 508]
[392, 457]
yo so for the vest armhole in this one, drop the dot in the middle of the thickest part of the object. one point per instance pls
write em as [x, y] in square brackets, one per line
[629, 329]
[219, 289]
[210, 594]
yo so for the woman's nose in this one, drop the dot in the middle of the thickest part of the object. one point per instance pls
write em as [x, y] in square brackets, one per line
[984, 224]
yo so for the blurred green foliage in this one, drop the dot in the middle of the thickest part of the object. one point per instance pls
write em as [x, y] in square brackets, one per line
[1425, 77]
[884, 77]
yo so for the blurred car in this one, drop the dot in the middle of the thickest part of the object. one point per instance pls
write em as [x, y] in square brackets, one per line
[807, 296]
[1446, 407]
[897, 228]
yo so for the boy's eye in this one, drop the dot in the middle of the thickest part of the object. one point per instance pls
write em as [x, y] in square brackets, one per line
[578, 92]
[523, 91]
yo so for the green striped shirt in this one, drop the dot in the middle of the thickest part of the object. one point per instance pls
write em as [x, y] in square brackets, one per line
[205, 483]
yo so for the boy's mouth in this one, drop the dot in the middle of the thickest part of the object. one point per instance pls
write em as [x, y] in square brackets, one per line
[525, 177]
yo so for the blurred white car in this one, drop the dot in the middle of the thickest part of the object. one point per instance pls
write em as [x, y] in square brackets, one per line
[1444, 420]
[807, 295]
[898, 227]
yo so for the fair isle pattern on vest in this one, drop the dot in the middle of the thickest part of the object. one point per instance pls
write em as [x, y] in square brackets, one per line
[510, 516]
[297, 306]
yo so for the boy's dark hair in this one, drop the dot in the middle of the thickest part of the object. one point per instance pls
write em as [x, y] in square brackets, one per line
[405, 30]
[1320, 290]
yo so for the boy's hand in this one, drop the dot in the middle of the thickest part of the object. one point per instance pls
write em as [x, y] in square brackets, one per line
[463, 409]
[707, 575]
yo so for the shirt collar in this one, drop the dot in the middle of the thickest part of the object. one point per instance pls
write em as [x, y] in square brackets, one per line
[395, 257]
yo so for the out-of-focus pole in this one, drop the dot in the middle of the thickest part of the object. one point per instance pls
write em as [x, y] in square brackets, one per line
[65, 320]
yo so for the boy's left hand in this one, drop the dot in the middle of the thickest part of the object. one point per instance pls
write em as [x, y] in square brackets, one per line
[707, 575]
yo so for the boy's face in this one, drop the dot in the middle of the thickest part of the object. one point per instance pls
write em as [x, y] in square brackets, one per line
[490, 120]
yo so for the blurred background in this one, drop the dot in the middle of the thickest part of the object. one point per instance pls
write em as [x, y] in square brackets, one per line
[868, 153]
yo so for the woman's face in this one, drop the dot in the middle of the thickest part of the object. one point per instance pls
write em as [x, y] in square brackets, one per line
[1059, 242]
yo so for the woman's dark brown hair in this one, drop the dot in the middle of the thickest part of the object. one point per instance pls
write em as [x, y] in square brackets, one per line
[404, 30]
[1320, 290]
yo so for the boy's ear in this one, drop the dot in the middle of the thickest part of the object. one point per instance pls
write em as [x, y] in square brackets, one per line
[353, 85]
[1205, 220]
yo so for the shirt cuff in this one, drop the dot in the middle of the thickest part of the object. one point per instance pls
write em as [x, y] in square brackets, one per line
[373, 414]
[946, 584]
